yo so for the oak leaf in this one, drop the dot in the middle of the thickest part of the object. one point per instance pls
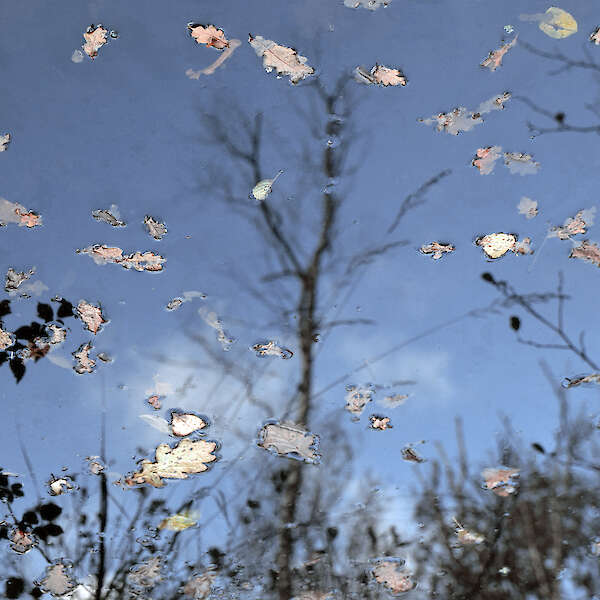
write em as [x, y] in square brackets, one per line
[285, 61]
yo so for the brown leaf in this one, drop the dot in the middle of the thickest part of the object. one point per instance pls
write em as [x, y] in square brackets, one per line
[208, 35]
[91, 316]
[146, 261]
[186, 458]
[396, 580]
[95, 38]
[289, 439]
[285, 61]
[494, 60]
[587, 251]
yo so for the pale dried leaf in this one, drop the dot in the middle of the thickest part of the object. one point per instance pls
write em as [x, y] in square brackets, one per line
[12, 212]
[175, 303]
[501, 481]
[84, 363]
[59, 485]
[155, 228]
[378, 422]
[574, 225]
[15, 278]
[95, 466]
[595, 36]
[519, 163]
[199, 586]
[7, 339]
[146, 261]
[460, 119]
[575, 381]
[183, 424]
[380, 75]
[289, 439]
[57, 581]
[357, 397]
[146, 574]
[285, 61]
[485, 159]
[208, 35]
[466, 537]
[154, 402]
[4, 142]
[436, 249]
[496, 245]
[494, 60]
[95, 38]
[91, 316]
[109, 215]
[409, 454]
[528, 207]
[389, 574]
[57, 334]
[523, 247]
[180, 521]
[272, 349]
[186, 458]
[21, 541]
[587, 251]
[264, 187]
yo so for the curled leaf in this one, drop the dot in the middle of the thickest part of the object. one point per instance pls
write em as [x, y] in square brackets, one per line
[494, 59]
[380, 75]
[264, 187]
[95, 38]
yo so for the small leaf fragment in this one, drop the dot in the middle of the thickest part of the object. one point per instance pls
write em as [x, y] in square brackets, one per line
[154, 402]
[575, 381]
[494, 59]
[155, 228]
[180, 521]
[378, 422]
[4, 142]
[574, 225]
[59, 485]
[380, 75]
[595, 36]
[485, 159]
[12, 212]
[183, 424]
[84, 363]
[95, 38]
[21, 541]
[410, 455]
[528, 207]
[437, 249]
[109, 215]
[272, 349]
[287, 439]
[140, 261]
[519, 163]
[501, 481]
[357, 397]
[285, 61]
[369, 4]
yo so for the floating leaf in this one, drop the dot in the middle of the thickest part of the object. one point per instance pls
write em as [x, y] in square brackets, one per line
[175, 303]
[494, 59]
[15, 278]
[95, 38]
[146, 574]
[528, 207]
[110, 216]
[378, 422]
[357, 397]
[7, 339]
[523, 247]
[501, 481]
[380, 75]
[592, 378]
[188, 457]
[4, 142]
[94, 465]
[409, 454]
[154, 402]
[285, 61]
[146, 261]
[84, 363]
[460, 119]
[466, 537]
[290, 440]
[12, 212]
[558, 23]
[587, 251]
[155, 228]
[91, 316]
[396, 580]
[180, 521]
[208, 35]
[199, 586]
[519, 163]
[496, 245]
[574, 225]
[57, 581]
[263, 188]
[272, 349]
[595, 36]
[183, 424]
[436, 249]
[21, 541]
[59, 485]
[485, 159]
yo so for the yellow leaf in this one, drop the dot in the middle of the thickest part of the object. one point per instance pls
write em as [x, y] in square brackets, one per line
[558, 23]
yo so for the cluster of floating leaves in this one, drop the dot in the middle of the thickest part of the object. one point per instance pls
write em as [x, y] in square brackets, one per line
[140, 261]
[289, 440]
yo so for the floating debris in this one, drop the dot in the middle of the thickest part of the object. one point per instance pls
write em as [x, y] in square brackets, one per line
[57, 581]
[466, 537]
[409, 454]
[287, 439]
[188, 457]
[587, 251]
[12, 212]
[575, 381]
[394, 401]
[272, 349]
[211, 319]
[519, 163]
[208, 35]
[380, 75]
[175, 303]
[285, 61]
[110, 216]
[95, 466]
[528, 207]
[146, 574]
[555, 22]
[15, 278]
[21, 541]
[496, 245]
[378, 422]
[357, 397]
[155, 228]
[183, 424]
[574, 225]
[59, 485]
[396, 580]
[7, 339]
[494, 59]
[154, 402]
[84, 363]
[4, 142]
[199, 586]
[595, 36]
[369, 4]
[485, 159]
[95, 38]
[437, 249]
[146, 261]
[90, 315]
[501, 481]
